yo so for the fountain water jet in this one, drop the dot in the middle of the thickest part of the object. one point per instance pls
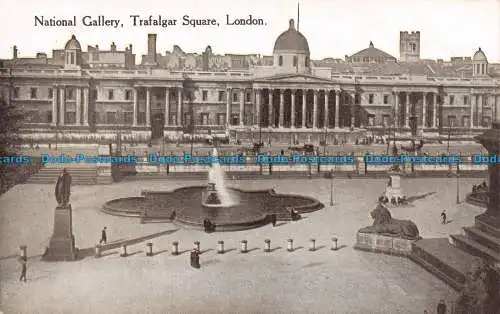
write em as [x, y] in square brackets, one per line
[216, 181]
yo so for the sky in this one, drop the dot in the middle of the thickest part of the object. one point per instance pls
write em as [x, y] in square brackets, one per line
[333, 28]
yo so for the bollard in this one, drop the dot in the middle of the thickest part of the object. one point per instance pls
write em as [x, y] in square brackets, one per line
[149, 249]
[220, 247]
[267, 248]
[97, 251]
[124, 251]
[244, 246]
[197, 245]
[312, 245]
[23, 249]
[290, 245]
[175, 248]
[334, 244]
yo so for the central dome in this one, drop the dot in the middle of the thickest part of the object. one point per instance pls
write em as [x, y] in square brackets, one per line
[291, 40]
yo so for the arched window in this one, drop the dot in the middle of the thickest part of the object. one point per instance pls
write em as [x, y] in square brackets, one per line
[280, 61]
[483, 69]
[307, 61]
[72, 56]
[295, 61]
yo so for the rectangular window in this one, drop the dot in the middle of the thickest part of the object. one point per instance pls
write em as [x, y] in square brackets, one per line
[70, 94]
[33, 93]
[205, 95]
[222, 95]
[128, 95]
[94, 94]
[110, 117]
[235, 97]
[16, 92]
[70, 117]
[111, 94]
[248, 97]
[221, 119]
[50, 93]
[386, 99]
[128, 117]
[452, 100]
[370, 98]
[204, 118]
[466, 100]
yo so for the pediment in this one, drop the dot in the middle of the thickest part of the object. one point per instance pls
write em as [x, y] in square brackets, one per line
[296, 78]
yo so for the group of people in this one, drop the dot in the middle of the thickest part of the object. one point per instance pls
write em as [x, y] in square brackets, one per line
[480, 187]
[396, 201]
[208, 226]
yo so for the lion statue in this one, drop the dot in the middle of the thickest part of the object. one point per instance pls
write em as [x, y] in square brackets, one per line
[384, 224]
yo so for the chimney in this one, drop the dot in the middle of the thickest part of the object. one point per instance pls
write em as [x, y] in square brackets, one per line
[130, 47]
[14, 52]
[113, 46]
[152, 47]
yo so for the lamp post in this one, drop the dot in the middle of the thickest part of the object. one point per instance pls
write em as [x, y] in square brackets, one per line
[331, 187]
[458, 187]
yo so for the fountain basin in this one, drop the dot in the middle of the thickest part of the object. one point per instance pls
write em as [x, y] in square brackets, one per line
[185, 206]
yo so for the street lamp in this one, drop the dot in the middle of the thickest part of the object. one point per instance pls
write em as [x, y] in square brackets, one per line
[331, 187]
[458, 187]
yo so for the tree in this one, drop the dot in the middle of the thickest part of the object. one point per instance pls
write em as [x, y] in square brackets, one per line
[189, 89]
[11, 118]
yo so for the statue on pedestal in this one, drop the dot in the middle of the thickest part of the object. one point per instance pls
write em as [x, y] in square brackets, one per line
[384, 224]
[63, 188]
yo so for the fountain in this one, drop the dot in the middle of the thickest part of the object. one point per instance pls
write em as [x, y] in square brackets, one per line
[229, 209]
[217, 194]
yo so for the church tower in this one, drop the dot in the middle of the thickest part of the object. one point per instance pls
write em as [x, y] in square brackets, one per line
[409, 46]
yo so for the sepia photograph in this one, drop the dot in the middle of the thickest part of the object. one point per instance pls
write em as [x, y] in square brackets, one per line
[250, 157]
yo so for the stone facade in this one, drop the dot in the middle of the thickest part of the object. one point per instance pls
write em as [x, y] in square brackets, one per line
[282, 93]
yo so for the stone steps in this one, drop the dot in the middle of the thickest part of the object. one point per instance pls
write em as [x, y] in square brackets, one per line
[79, 175]
[483, 238]
[443, 260]
[467, 244]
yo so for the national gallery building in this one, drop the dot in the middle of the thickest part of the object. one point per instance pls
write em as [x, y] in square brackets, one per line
[105, 91]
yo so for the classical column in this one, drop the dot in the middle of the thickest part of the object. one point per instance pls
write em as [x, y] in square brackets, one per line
[180, 99]
[435, 110]
[325, 123]
[78, 105]
[54, 105]
[395, 101]
[257, 109]
[292, 109]
[407, 110]
[86, 95]
[242, 107]
[315, 110]
[353, 110]
[282, 108]
[337, 108]
[480, 103]
[136, 106]
[148, 106]
[228, 106]
[62, 104]
[304, 108]
[270, 118]
[167, 106]
[424, 110]
[472, 104]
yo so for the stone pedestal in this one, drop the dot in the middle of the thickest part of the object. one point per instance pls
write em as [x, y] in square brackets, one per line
[62, 243]
[394, 189]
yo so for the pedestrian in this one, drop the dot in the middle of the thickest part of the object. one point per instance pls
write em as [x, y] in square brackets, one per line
[23, 261]
[443, 217]
[273, 220]
[104, 238]
[441, 308]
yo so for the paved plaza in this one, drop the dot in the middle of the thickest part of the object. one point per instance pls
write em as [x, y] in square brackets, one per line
[324, 281]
